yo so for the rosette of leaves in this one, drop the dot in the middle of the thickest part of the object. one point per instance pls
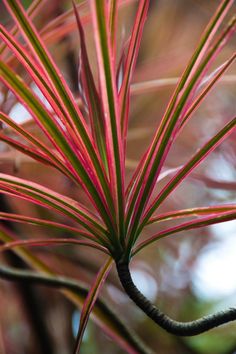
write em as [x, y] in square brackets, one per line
[91, 152]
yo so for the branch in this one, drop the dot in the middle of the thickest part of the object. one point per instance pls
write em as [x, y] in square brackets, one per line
[174, 327]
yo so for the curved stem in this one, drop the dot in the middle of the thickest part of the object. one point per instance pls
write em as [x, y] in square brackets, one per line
[174, 327]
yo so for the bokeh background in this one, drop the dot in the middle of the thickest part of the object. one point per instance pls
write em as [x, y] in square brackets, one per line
[188, 275]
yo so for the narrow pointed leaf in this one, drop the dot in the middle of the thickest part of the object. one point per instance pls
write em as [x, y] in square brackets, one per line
[186, 213]
[113, 14]
[52, 200]
[32, 153]
[192, 65]
[110, 106]
[35, 71]
[201, 222]
[90, 301]
[32, 11]
[47, 223]
[61, 90]
[89, 183]
[50, 242]
[189, 166]
[92, 97]
[51, 156]
[133, 50]
[169, 125]
[207, 90]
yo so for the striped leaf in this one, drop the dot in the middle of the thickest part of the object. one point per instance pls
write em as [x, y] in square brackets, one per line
[90, 301]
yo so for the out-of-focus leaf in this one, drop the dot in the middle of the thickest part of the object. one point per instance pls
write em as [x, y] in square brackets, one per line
[213, 183]
[32, 12]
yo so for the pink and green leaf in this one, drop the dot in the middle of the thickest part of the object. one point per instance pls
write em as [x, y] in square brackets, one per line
[36, 73]
[113, 14]
[52, 200]
[207, 89]
[194, 224]
[50, 242]
[202, 153]
[192, 212]
[56, 136]
[26, 150]
[92, 98]
[32, 11]
[40, 149]
[132, 55]
[169, 125]
[62, 91]
[91, 300]
[47, 223]
[109, 96]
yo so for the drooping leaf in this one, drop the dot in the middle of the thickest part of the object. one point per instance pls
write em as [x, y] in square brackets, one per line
[91, 300]
[43, 222]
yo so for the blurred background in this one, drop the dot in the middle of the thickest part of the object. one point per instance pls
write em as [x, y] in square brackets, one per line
[188, 275]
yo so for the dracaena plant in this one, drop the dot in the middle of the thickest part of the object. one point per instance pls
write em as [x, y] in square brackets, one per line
[87, 144]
